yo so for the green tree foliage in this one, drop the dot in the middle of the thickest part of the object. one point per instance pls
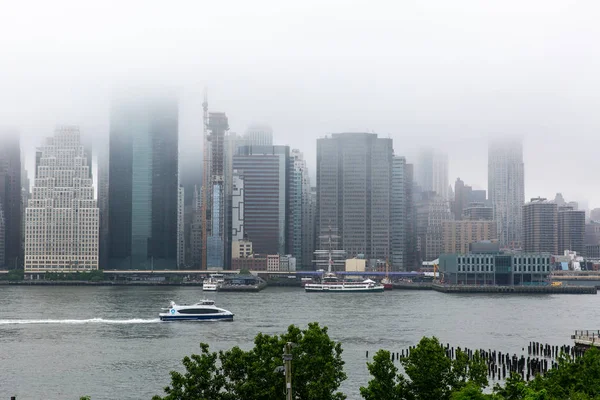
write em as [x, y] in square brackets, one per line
[317, 370]
[14, 275]
[245, 271]
[430, 374]
[471, 391]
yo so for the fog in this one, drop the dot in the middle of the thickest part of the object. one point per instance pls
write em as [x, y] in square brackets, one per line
[445, 73]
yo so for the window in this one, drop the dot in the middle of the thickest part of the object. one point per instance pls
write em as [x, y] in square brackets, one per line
[199, 311]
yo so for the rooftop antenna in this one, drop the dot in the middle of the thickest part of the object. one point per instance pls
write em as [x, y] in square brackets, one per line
[204, 175]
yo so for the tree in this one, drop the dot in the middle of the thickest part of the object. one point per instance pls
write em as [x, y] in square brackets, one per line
[245, 271]
[203, 379]
[317, 369]
[470, 391]
[386, 383]
[317, 366]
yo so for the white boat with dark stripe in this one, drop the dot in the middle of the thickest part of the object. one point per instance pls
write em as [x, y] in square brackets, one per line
[204, 310]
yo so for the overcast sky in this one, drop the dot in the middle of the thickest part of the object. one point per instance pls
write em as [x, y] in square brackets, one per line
[444, 73]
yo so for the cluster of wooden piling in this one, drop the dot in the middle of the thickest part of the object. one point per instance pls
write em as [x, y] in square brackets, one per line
[540, 358]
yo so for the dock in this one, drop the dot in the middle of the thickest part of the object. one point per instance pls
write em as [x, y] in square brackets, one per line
[242, 288]
[586, 338]
[517, 289]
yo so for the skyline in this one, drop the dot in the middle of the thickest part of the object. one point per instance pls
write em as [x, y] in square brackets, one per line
[421, 73]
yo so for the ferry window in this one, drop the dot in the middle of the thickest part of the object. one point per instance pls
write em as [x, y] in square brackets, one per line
[198, 311]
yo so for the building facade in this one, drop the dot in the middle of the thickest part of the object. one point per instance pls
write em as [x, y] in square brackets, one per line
[265, 170]
[458, 235]
[506, 189]
[505, 269]
[432, 210]
[399, 210]
[432, 172]
[10, 196]
[62, 222]
[241, 249]
[354, 174]
[540, 226]
[258, 135]
[181, 262]
[571, 230]
[299, 207]
[478, 212]
[196, 230]
[143, 183]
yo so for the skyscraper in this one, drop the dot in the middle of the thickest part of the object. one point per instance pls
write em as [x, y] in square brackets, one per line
[258, 135]
[298, 206]
[10, 195]
[540, 226]
[62, 221]
[432, 172]
[143, 183]
[196, 231]
[103, 204]
[506, 189]
[216, 239]
[571, 229]
[181, 261]
[308, 229]
[399, 209]
[432, 210]
[354, 175]
[265, 170]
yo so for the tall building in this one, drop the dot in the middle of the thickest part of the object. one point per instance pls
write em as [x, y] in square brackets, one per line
[181, 261]
[432, 210]
[196, 231]
[298, 206]
[458, 235]
[237, 207]
[258, 135]
[216, 240]
[411, 255]
[399, 215]
[595, 214]
[62, 218]
[540, 226]
[308, 229]
[265, 170]
[143, 189]
[354, 175]
[11, 196]
[432, 172]
[478, 212]
[506, 189]
[2, 238]
[103, 205]
[571, 230]
[462, 195]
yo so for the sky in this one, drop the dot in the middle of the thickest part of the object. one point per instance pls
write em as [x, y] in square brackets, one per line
[447, 74]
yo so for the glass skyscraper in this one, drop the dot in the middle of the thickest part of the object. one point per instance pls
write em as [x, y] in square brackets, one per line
[143, 183]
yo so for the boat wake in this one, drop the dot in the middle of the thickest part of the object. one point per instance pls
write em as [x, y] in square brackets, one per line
[78, 321]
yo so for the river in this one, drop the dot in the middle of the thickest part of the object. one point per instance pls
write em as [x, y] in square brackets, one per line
[62, 342]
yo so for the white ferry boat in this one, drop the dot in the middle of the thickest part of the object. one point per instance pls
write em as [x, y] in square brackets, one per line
[213, 282]
[204, 310]
[331, 283]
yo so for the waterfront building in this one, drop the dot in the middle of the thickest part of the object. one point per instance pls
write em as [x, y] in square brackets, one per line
[2, 237]
[287, 263]
[265, 170]
[62, 217]
[458, 235]
[493, 267]
[506, 189]
[143, 183]
[478, 212]
[273, 262]
[354, 175]
[571, 229]
[540, 226]
[241, 248]
[399, 210]
[432, 210]
[256, 262]
[10, 196]
[258, 135]
[432, 172]
[180, 227]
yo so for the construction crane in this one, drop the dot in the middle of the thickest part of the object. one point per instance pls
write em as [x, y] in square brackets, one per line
[204, 177]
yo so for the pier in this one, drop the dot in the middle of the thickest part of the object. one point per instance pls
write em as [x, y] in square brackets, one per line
[517, 289]
[586, 338]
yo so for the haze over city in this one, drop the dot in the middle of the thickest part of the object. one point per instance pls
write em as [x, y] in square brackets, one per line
[449, 75]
